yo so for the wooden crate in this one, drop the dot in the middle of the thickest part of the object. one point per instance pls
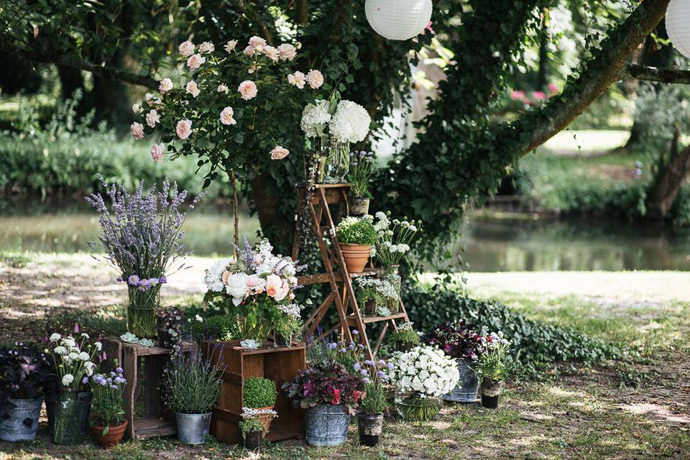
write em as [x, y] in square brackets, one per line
[280, 364]
[157, 421]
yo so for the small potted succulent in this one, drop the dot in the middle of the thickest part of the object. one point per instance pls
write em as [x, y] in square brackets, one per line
[460, 342]
[107, 413]
[253, 427]
[169, 322]
[422, 375]
[405, 338]
[374, 403]
[194, 386]
[491, 367]
[329, 394]
[356, 236]
[24, 370]
[260, 393]
[361, 170]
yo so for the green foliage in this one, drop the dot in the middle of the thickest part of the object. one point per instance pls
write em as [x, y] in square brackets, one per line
[218, 327]
[193, 385]
[259, 392]
[375, 401]
[355, 230]
[404, 336]
[251, 424]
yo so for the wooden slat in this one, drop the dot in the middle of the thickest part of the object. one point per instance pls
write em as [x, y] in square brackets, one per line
[383, 333]
[374, 319]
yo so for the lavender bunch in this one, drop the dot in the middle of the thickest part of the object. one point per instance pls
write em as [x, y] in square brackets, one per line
[142, 233]
[361, 170]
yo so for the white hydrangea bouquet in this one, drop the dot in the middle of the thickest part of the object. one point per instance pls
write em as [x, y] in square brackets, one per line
[257, 288]
[422, 375]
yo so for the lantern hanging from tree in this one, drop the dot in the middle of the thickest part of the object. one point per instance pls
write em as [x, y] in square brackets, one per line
[398, 19]
[678, 25]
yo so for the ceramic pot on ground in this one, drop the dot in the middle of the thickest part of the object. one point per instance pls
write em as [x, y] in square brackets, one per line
[19, 419]
[112, 438]
[252, 440]
[369, 427]
[356, 256]
[491, 391]
[359, 206]
[192, 428]
[468, 385]
[326, 425]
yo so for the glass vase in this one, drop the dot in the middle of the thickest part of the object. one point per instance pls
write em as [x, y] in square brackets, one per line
[419, 408]
[141, 312]
[392, 275]
[337, 163]
[67, 429]
[252, 329]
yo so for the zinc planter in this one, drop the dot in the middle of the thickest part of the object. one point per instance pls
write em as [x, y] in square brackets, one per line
[112, 438]
[327, 425]
[491, 391]
[19, 419]
[358, 206]
[356, 256]
[193, 428]
[467, 387]
[369, 427]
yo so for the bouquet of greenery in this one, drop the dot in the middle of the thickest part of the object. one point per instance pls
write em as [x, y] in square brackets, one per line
[106, 406]
[393, 238]
[375, 376]
[356, 230]
[193, 384]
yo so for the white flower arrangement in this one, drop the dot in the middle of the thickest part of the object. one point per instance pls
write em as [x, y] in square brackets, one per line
[350, 123]
[393, 238]
[425, 370]
[73, 361]
[315, 118]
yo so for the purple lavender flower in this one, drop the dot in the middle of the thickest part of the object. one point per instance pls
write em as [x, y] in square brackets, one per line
[369, 362]
[332, 345]
[357, 366]
[364, 372]
[381, 374]
[133, 280]
[366, 380]
[163, 280]
[355, 332]
[113, 387]
[119, 370]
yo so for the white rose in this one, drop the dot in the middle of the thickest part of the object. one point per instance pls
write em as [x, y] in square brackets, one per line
[186, 49]
[287, 52]
[152, 118]
[192, 88]
[248, 90]
[195, 61]
[67, 379]
[297, 79]
[237, 287]
[206, 47]
[230, 46]
[226, 116]
[166, 85]
[271, 53]
[315, 79]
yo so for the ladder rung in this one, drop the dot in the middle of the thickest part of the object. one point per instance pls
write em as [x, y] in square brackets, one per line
[374, 319]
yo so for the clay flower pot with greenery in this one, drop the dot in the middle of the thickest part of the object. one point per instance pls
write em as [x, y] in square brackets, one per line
[356, 236]
[361, 170]
[260, 394]
[491, 367]
[374, 403]
[193, 388]
[253, 426]
[107, 413]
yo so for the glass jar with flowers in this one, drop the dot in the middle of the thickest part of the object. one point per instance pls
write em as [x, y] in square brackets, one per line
[393, 240]
[74, 364]
[142, 238]
[251, 287]
[491, 368]
[377, 297]
[361, 170]
[288, 325]
[107, 412]
[356, 237]
[421, 376]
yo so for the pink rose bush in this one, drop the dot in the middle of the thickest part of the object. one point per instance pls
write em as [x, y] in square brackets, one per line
[256, 287]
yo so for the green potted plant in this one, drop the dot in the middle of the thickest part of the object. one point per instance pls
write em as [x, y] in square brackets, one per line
[405, 338]
[491, 367]
[260, 393]
[107, 413]
[252, 426]
[374, 403]
[361, 170]
[356, 236]
[193, 387]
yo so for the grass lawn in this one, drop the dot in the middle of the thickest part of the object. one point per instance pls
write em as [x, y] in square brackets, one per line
[633, 409]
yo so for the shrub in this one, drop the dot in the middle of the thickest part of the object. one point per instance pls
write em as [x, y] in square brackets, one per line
[193, 384]
[353, 230]
[259, 393]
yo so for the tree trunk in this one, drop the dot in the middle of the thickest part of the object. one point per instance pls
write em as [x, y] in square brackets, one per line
[275, 211]
[668, 181]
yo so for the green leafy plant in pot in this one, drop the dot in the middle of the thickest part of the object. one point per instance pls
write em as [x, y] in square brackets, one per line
[374, 403]
[108, 416]
[356, 236]
[260, 393]
[491, 367]
[405, 338]
[253, 427]
[361, 170]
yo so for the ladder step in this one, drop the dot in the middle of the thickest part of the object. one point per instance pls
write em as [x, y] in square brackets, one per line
[321, 278]
[375, 319]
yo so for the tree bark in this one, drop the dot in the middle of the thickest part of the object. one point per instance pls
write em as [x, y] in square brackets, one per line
[273, 209]
[668, 180]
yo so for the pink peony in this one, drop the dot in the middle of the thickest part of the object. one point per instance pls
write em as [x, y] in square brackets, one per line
[271, 53]
[192, 88]
[287, 52]
[186, 49]
[137, 130]
[206, 47]
[248, 90]
[165, 85]
[222, 88]
[279, 153]
[538, 95]
[184, 129]
[315, 79]
[152, 118]
[230, 46]
[274, 285]
[249, 51]
[195, 61]
[257, 43]
[297, 79]
[157, 152]
[226, 116]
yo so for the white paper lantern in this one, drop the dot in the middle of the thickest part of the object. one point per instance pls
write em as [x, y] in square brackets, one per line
[398, 19]
[678, 25]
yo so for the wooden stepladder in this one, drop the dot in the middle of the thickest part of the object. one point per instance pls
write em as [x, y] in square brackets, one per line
[341, 294]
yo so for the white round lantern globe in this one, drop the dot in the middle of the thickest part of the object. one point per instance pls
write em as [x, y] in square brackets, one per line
[678, 25]
[398, 19]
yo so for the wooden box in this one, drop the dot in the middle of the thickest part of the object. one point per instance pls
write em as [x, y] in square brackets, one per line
[280, 364]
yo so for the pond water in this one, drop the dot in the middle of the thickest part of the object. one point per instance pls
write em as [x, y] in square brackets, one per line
[489, 244]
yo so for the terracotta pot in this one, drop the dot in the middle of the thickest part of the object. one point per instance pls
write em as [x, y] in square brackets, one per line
[356, 256]
[112, 438]
[266, 419]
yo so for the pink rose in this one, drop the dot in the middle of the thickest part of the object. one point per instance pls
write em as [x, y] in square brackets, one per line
[137, 130]
[157, 152]
[287, 52]
[553, 88]
[248, 90]
[257, 42]
[206, 47]
[279, 153]
[297, 79]
[315, 79]
[226, 116]
[186, 49]
[165, 85]
[230, 46]
[538, 95]
[256, 284]
[192, 88]
[249, 51]
[195, 61]
[271, 53]
[152, 118]
[282, 291]
[273, 285]
[222, 88]
[184, 129]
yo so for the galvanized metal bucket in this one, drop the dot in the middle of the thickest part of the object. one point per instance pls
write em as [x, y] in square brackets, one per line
[193, 428]
[327, 425]
[19, 419]
[467, 387]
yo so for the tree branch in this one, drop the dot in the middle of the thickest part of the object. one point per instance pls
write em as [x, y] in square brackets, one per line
[647, 73]
[111, 73]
